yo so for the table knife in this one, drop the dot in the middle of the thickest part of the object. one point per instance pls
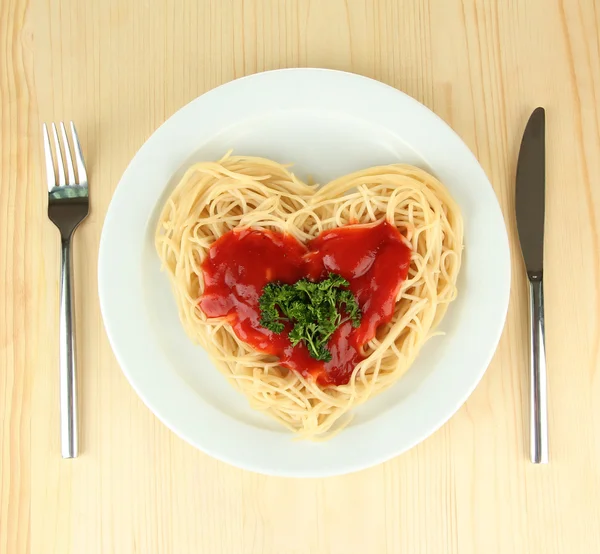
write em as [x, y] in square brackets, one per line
[530, 199]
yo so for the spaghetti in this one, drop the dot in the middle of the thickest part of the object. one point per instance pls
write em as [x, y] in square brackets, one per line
[246, 192]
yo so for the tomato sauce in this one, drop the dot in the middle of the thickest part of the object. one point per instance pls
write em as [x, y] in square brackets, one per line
[372, 258]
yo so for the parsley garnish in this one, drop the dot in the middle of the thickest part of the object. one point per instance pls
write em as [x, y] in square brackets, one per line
[313, 308]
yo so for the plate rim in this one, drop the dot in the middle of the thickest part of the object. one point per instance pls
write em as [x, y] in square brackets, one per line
[115, 341]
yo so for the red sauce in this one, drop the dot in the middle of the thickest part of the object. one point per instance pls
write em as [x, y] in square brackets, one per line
[374, 259]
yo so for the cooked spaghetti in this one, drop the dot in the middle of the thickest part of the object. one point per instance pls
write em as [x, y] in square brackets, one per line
[213, 199]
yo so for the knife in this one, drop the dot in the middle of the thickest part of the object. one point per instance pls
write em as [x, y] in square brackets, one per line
[530, 198]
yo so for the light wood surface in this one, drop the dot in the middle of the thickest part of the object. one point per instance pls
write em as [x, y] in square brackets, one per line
[119, 68]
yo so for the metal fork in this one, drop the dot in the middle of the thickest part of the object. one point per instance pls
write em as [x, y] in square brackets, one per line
[68, 205]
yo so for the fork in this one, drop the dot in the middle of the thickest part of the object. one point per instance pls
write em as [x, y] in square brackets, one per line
[68, 206]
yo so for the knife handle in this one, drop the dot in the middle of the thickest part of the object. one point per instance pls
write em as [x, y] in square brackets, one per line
[538, 401]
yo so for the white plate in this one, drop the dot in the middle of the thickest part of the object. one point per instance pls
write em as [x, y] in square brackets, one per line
[327, 123]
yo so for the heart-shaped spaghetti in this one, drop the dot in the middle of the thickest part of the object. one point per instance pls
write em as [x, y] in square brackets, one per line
[246, 192]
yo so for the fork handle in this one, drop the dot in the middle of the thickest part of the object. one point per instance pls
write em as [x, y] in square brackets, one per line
[68, 384]
[538, 403]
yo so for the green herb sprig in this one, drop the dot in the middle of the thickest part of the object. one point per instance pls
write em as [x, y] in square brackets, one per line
[313, 308]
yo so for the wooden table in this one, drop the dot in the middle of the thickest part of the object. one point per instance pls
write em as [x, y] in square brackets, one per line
[119, 68]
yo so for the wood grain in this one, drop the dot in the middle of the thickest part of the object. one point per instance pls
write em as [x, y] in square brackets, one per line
[119, 68]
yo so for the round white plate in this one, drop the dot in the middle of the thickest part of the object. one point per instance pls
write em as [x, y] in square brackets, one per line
[327, 123]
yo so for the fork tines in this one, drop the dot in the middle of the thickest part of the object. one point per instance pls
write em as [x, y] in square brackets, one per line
[63, 152]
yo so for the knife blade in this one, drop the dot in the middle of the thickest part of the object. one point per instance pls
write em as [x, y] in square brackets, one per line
[530, 211]
[530, 192]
